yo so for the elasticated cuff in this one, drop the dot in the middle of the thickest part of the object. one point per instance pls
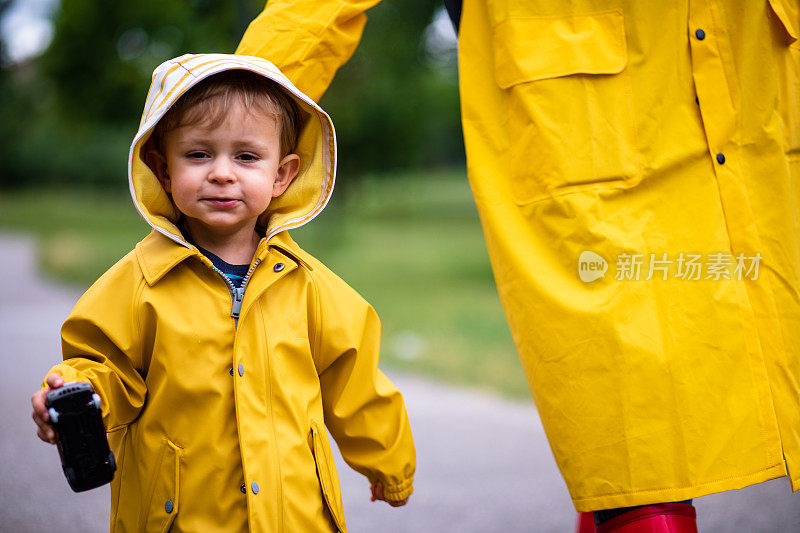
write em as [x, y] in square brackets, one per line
[66, 372]
[400, 491]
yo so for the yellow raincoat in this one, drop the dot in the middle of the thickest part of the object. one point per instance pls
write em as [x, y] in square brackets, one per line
[218, 422]
[608, 136]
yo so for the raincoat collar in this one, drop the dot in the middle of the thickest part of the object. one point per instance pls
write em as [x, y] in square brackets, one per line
[305, 198]
[157, 254]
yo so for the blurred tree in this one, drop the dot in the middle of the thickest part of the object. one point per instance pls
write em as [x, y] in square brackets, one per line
[80, 101]
[77, 105]
[102, 54]
[4, 5]
[9, 117]
[392, 108]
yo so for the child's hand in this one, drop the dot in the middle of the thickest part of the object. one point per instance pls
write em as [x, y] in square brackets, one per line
[40, 414]
[377, 494]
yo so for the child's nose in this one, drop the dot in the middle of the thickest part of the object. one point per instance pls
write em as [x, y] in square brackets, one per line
[221, 171]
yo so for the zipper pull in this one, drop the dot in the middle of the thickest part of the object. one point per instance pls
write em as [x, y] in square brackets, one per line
[238, 297]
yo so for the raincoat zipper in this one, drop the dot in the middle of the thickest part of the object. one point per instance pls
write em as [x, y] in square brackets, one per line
[237, 293]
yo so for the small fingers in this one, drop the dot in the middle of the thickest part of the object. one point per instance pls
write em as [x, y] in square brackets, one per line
[41, 417]
[55, 381]
[37, 402]
[42, 435]
[377, 492]
[41, 414]
[44, 427]
[47, 435]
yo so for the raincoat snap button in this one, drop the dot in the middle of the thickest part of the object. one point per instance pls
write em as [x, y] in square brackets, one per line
[700, 34]
[243, 488]
[720, 158]
[241, 370]
[278, 267]
[255, 487]
[231, 371]
[168, 507]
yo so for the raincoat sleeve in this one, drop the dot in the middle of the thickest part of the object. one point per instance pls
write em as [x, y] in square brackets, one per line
[101, 344]
[307, 39]
[364, 411]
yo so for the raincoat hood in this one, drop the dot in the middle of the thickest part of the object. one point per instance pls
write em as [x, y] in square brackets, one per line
[305, 198]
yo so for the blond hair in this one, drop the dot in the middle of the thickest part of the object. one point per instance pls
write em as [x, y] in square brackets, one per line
[208, 102]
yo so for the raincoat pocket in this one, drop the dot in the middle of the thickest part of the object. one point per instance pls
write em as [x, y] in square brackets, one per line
[164, 489]
[788, 13]
[328, 479]
[787, 18]
[569, 102]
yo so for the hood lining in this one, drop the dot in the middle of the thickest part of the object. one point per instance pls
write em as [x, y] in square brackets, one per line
[221, 63]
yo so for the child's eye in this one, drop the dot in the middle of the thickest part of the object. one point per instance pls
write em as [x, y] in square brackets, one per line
[196, 155]
[248, 157]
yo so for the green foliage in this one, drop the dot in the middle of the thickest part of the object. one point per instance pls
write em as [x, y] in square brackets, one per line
[103, 53]
[407, 114]
[81, 232]
[68, 116]
[9, 117]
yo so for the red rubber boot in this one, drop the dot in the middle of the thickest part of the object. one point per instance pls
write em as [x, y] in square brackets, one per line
[585, 523]
[658, 518]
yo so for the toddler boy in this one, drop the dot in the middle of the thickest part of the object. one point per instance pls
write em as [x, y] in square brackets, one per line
[220, 349]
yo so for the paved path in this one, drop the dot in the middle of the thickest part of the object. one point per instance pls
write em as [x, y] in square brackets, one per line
[483, 462]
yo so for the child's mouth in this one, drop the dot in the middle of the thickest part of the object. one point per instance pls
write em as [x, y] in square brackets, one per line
[222, 202]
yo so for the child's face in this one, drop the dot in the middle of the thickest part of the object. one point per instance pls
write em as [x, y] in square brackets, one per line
[222, 178]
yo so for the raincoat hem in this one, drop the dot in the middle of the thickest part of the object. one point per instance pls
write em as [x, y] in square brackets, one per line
[644, 497]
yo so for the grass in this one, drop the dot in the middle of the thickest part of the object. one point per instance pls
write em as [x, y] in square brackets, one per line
[80, 234]
[410, 244]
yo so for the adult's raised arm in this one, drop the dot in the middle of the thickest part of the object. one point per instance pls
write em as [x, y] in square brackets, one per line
[307, 39]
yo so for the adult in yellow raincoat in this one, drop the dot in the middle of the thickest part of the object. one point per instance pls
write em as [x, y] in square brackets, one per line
[600, 132]
[219, 406]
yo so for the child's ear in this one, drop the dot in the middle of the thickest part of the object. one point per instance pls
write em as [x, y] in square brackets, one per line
[154, 159]
[287, 170]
